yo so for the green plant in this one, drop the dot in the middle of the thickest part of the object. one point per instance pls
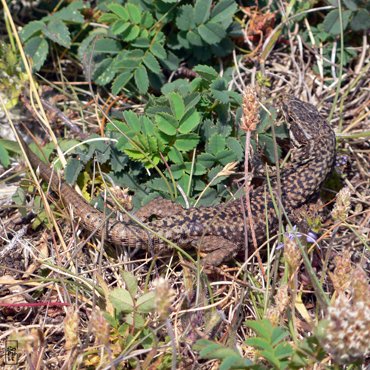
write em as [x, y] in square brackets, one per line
[270, 345]
[36, 35]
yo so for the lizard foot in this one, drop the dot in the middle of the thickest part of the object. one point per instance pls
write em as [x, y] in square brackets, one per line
[217, 250]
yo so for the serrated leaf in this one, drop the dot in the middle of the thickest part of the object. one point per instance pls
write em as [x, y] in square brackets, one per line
[106, 45]
[119, 27]
[146, 303]
[194, 38]
[72, 170]
[283, 351]
[331, 22]
[158, 50]
[132, 120]
[166, 123]
[224, 11]
[186, 142]
[175, 156]
[141, 79]
[121, 300]
[131, 33]
[121, 81]
[262, 327]
[206, 72]
[131, 282]
[152, 63]
[104, 73]
[270, 357]
[202, 11]
[177, 105]
[236, 147]
[216, 144]
[278, 334]
[211, 33]
[185, 18]
[70, 13]
[30, 29]
[134, 13]
[58, 32]
[135, 319]
[361, 20]
[141, 42]
[119, 10]
[189, 122]
[259, 343]
[37, 48]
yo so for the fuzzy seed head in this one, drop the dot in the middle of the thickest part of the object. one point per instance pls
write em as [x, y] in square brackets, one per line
[250, 108]
[164, 296]
[342, 205]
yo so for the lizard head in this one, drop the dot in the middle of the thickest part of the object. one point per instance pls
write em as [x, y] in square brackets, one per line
[304, 121]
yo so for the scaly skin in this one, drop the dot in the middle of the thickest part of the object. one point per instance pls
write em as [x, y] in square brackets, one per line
[219, 231]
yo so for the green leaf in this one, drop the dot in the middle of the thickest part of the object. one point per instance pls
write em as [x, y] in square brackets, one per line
[177, 105]
[70, 13]
[119, 27]
[119, 10]
[202, 11]
[361, 20]
[234, 145]
[106, 45]
[30, 29]
[72, 170]
[152, 63]
[259, 343]
[134, 13]
[224, 11]
[185, 18]
[131, 33]
[158, 50]
[37, 48]
[194, 38]
[166, 123]
[121, 300]
[278, 334]
[132, 120]
[131, 282]
[206, 72]
[283, 351]
[58, 32]
[211, 33]
[4, 156]
[189, 122]
[141, 42]
[141, 79]
[219, 90]
[216, 144]
[331, 22]
[351, 4]
[136, 320]
[104, 73]
[186, 142]
[146, 303]
[270, 357]
[262, 327]
[175, 156]
[120, 82]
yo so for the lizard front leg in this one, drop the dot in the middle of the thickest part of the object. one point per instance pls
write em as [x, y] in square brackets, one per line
[216, 248]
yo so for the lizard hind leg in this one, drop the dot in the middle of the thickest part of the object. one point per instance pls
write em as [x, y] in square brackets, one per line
[216, 249]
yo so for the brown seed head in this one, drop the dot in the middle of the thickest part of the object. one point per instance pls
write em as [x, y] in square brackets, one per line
[250, 108]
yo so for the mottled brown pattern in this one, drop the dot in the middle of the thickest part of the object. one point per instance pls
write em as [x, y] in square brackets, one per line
[219, 231]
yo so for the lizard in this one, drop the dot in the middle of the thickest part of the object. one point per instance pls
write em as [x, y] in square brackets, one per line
[217, 231]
